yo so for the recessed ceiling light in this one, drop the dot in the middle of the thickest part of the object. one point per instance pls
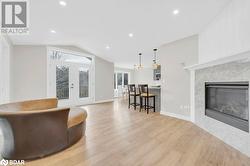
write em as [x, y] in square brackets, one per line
[62, 3]
[52, 31]
[107, 47]
[176, 11]
[131, 35]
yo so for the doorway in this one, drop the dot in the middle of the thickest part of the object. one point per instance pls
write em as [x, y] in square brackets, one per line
[71, 77]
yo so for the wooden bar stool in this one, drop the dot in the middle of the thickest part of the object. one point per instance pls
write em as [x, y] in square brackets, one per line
[144, 94]
[132, 93]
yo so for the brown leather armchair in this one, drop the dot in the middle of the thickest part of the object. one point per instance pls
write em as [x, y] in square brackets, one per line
[34, 129]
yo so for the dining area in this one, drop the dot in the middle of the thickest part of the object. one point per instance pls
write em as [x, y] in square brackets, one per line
[144, 98]
[140, 87]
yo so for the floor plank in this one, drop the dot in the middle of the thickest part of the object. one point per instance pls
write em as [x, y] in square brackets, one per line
[118, 136]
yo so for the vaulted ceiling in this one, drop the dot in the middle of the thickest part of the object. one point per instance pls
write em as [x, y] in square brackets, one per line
[103, 26]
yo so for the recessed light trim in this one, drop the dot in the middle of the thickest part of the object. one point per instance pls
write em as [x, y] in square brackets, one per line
[108, 47]
[62, 3]
[52, 31]
[131, 35]
[176, 12]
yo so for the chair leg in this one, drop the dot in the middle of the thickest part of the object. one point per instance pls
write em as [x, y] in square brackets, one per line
[140, 103]
[147, 105]
[128, 101]
[154, 103]
[134, 102]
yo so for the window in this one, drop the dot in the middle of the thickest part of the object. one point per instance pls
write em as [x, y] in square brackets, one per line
[125, 79]
[115, 81]
[83, 83]
[62, 82]
[119, 79]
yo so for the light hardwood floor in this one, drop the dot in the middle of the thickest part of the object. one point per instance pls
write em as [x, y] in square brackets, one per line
[117, 136]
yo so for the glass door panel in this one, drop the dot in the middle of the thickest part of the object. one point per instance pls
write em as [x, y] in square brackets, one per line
[62, 82]
[83, 82]
[125, 79]
[119, 79]
[115, 81]
[119, 84]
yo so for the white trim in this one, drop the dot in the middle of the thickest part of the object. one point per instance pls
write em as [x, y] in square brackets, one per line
[103, 101]
[70, 51]
[178, 116]
[238, 57]
[192, 96]
[96, 102]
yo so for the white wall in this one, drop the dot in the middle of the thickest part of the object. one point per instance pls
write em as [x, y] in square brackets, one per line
[5, 56]
[29, 73]
[175, 87]
[29, 76]
[228, 34]
[145, 76]
[72, 48]
[104, 80]
[130, 71]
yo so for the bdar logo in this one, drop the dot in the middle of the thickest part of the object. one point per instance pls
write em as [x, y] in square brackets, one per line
[4, 162]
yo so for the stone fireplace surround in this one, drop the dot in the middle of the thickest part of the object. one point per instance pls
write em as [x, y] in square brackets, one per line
[227, 72]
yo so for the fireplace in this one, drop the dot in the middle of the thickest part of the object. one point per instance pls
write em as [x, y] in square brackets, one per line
[228, 102]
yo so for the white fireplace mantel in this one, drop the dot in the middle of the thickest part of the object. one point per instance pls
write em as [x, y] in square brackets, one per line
[243, 57]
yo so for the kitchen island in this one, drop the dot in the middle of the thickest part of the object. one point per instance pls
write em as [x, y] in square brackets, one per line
[156, 90]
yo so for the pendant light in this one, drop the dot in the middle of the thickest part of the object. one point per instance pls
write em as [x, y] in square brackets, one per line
[139, 66]
[155, 65]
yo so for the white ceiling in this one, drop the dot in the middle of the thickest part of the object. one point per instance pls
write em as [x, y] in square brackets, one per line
[94, 24]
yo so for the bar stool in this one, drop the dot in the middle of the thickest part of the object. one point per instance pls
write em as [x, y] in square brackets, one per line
[144, 94]
[132, 93]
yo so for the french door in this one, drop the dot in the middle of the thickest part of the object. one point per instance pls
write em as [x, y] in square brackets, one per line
[71, 81]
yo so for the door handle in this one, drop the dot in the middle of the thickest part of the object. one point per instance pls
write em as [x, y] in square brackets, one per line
[72, 86]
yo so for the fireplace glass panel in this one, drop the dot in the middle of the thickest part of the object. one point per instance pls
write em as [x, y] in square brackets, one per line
[230, 101]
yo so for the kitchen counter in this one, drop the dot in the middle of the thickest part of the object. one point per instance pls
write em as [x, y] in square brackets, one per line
[154, 87]
[157, 91]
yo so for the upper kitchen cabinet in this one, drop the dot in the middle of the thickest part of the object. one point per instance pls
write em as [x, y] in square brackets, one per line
[157, 73]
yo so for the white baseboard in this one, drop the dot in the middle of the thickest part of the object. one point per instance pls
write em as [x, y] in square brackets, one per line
[103, 101]
[178, 116]
[97, 102]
